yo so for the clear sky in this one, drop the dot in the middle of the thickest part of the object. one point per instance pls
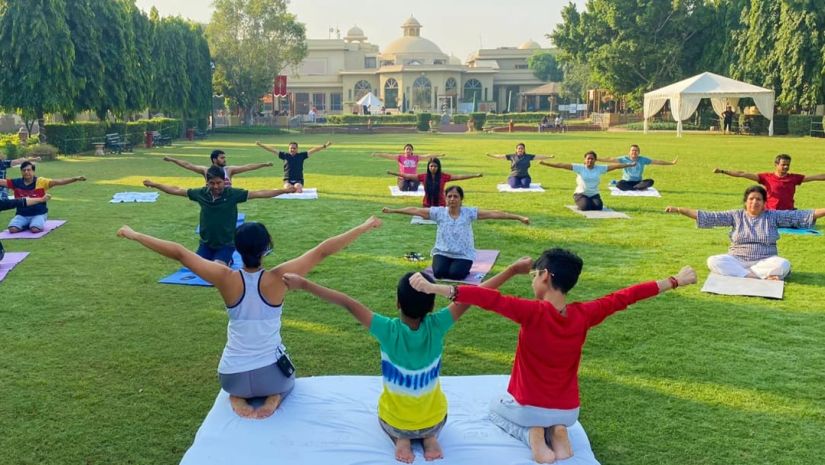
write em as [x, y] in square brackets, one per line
[457, 26]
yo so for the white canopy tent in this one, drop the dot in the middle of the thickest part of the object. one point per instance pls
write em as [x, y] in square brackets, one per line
[371, 101]
[685, 96]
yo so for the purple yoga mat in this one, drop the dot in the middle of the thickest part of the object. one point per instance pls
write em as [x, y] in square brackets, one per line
[50, 225]
[485, 259]
[9, 261]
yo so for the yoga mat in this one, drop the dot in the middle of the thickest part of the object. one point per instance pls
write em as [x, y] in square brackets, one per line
[307, 194]
[238, 222]
[485, 259]
[49, 227]
[396, 192]
[649, 192]
[10, 260]
[420, 220]
[140, 197]
[598, 214]
[534, 187]
[185, 277]
[731, 285]
[330, 420]
[800, 232]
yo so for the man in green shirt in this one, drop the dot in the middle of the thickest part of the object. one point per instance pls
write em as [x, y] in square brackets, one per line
[219, 211]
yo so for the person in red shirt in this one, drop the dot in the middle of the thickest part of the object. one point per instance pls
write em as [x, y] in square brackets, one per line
[781, 184]
[434, 181]
[542, 399]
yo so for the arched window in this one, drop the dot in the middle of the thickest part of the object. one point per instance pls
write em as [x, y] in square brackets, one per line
[450, 87]
[391, 93]
[422, 93]
[472, 90]
[361, 89]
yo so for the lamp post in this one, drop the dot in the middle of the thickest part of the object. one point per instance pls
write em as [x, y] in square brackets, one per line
[212, 93]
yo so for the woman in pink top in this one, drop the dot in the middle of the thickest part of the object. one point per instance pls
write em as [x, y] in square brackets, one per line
[542, 399]
[407, 164]
[434, 181]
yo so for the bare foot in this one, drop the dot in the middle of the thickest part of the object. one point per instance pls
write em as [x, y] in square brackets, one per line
[299, 188]
[268, 408]
[241, 407]
[403, 451]
[774, 278]
[560, 442]
[432, 449]
[35, 230]
[541, 452]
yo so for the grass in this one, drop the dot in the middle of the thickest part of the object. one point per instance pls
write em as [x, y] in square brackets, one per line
[101, 365]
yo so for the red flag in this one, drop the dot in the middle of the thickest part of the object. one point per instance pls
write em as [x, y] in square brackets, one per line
[279, 88]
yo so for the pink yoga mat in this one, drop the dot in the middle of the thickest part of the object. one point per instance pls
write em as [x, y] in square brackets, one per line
[485, 259]
[50, 225]
[9, 261]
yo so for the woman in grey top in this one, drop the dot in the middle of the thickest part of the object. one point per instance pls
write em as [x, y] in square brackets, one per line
[753, 235]
[519, 166]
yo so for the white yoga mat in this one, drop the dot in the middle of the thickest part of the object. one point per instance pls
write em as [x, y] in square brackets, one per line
[598, 214]
[396, 192]
[307, 194]
[140, 197]
[649, 192]
[333, 420]
[731, 285]
[534, 187]
[420, 220]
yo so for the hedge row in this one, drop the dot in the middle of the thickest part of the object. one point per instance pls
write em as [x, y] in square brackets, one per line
[376, 120]
[80, 136]
[532, 117]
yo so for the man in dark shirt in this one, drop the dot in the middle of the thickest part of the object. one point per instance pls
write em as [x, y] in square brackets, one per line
[219, 211]
[294, 163]
[727, 116]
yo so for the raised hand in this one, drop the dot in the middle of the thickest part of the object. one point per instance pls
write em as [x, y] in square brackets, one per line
[686, 275]
[522, 266]
[420, 284]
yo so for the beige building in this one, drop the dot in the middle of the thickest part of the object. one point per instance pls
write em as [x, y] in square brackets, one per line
[409, 73]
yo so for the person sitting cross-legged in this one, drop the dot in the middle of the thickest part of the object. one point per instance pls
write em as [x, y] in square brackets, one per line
[588, 176]
[32, 217]
[8, 204]
[633, 176]
[520, 166]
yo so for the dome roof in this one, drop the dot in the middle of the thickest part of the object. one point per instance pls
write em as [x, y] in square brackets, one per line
[454, 60]
[412, 44]
[355, 31]
[411, 22]
[529, 44]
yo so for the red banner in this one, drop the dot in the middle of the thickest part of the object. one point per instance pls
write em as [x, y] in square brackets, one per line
[279, 88]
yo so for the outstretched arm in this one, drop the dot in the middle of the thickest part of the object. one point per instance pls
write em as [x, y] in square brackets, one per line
[499, 215]
[609, 159]
[171, 190]
[64, 181]
[233, 170]
[201, 170]
[412, 211]
[815, 177]
[306, 262]
[618, 166]
[662, 162]
[520, 266]
[318, 148]
[685, 277]
[689, 212]
[737, 174]
[408, 177]
[267, 148]
[388, 156]
[19, 161]
[562, 166]
[461, 177]
[356, 308]
[269, 193]
[543, 157]
[496, 156]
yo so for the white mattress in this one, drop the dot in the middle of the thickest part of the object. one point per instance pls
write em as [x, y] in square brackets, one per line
[603, 214]
[534, 187]
[396, 192]
[649, 192]
[307, 194]
[731, 285]
[332, 420]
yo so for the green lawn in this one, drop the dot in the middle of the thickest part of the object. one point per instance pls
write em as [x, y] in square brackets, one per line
[102, 365]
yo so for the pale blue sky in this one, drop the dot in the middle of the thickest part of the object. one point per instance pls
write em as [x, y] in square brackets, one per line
[457, 26]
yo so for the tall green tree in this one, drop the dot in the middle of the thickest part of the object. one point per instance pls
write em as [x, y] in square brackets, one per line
[117, 54]
[139, 65]
[545, 67]
[171, 79]
[252, 41]
[799, 40]
[199, 68]
[755, 45]
[87, 71]
[37, 55]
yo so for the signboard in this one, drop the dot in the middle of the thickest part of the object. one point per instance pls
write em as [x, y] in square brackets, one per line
[279, 87]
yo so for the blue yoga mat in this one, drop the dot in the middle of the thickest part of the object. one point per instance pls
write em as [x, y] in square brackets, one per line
[238, 222]
[800, 231]
[185, 277]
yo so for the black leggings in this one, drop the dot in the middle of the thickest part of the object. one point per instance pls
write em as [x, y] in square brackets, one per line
[588, 203]
[8, 204]
[634, 185]
[451, 268]
[407, 185]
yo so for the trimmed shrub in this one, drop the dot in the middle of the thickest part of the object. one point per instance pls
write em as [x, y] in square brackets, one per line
[377, 120]
[780, 124]
[800, 125]
[79, 137]
[70, 138]
[531, 117]
[260, 130]
[11, 146]
[460, 118]
[135, 132]
[44, 151]
[423, 121]
[478, 120]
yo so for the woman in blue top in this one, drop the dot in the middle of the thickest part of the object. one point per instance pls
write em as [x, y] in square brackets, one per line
[588, 176]
[633, 177]
[454, 249]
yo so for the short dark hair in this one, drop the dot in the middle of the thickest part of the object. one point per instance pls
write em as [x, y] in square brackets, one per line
[252, 241]
[214, 172]
[590, 152]
[215, 154]
[521, 144]
[408, 145]
[412, 303]
[293, 143]
[755, 188]
[782, 156]
[565, 266]
[457, 189]
[635, 145]
[27, 163]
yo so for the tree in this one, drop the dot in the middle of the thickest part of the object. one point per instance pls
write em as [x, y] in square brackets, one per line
[87, 70]
[117, 53]
[252, 41]
[544, 67]
[171, 78]
[37, 56]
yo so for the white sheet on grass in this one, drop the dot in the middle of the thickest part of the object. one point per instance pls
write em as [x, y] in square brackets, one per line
[420, 220]
[598, 214]
[128, 197]
[333, 420]
[534, 187]
[731, 285]
[307, 194]
[649, 192]
[396, 192]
